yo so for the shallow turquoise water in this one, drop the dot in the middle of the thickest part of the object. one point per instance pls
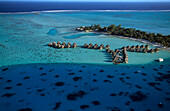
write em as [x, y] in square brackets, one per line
[24, 37]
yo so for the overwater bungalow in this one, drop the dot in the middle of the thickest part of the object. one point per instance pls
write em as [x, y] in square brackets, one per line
[128, 47]
[50, 44]
[58, 42]
[152, 50]
[95, 46]
[62, 46]
[74, 45]
[144, 51]
[100, 47]
[142, 46]
[107, 46]
[64, 43]
[137, 47]
[123, 47]
[138, 50]
[53, 44]
[59, 45]
[85, 45]
[107, 50]
[146, 46]
[133, 47]
[156, 50]
[116, 50]
[90, 45]
[110, 51]
[68, 45]
[113, 54]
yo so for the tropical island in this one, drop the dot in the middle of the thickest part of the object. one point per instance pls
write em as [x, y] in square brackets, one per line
[128, 32]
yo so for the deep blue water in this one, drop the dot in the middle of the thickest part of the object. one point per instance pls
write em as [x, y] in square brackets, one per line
[40, 6]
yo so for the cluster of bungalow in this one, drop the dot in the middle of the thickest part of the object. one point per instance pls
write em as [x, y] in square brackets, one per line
[118, 55]
[62, 45]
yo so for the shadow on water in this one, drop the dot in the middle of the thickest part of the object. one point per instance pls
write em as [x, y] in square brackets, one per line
[107, 56]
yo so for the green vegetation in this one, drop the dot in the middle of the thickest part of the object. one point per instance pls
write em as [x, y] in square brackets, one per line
[129, 32]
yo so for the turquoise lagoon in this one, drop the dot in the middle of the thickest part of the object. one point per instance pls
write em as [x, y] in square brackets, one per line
[30, 70]
[25, 36]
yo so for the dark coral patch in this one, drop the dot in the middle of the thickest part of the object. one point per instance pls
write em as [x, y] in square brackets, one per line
[40, 90]
[42, 94]
[77, 78]
[84, 106]
[120, 93]
[59, 83]
[1, 77]
[128, 77]
[139, 87]
[83, 66]
[108, 81]
[56, 76]
[137, 96]
[80, 71]
[155, 69]
[153, 84]
[19, 84]
[127, 103]
[4, 69]
[8, 87]
[74, 96]
[72, 73]
[41, 68]
[110, 76]
[25, 109]
[27, 77]
[95, 102]
[8, 95]
[57, 105]
[94, 80]
[101, 70]
[160, 105]
[113, 94]
[8, 81]
[144, 74]
[43, 74]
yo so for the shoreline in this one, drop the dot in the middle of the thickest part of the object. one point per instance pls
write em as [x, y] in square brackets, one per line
[139, 40]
